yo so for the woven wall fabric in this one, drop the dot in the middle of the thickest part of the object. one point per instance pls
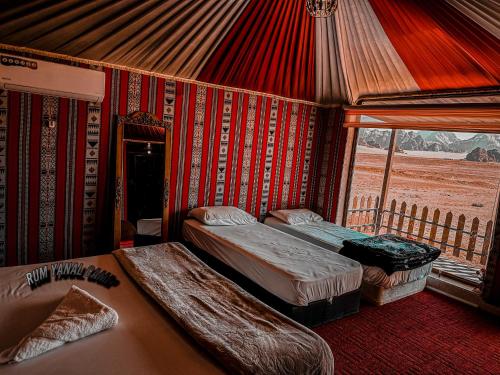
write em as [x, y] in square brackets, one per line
[229, 148]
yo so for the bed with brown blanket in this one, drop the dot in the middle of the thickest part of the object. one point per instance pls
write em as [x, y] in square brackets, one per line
[176, 315]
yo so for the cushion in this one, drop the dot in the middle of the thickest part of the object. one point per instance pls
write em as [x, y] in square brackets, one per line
[222, 215]
[297, 216]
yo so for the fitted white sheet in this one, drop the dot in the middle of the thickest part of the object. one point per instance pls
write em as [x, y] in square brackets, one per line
[292, 269]
[322, 233]
[150, 227]
[330, 236]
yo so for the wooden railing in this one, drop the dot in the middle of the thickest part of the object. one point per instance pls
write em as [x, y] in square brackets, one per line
[362, 215]
[456, 238]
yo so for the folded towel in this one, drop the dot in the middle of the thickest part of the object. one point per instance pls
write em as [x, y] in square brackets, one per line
[390, 252]
[78, 315]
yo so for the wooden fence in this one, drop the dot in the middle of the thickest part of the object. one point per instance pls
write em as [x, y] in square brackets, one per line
[362, 215]
[460, 240]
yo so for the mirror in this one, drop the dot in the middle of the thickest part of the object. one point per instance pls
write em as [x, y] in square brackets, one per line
[143, 157]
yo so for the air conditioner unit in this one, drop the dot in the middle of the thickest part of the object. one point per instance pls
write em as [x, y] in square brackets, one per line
[47, 78]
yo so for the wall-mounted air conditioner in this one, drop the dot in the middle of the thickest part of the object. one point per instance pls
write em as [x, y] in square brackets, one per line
[47, 78]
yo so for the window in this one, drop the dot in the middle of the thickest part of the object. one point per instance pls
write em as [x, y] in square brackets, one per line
[435, 186]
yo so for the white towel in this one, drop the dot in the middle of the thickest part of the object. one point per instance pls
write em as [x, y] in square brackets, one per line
[78, 315]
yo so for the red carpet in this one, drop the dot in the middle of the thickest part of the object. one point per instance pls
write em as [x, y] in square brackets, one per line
[423, 334]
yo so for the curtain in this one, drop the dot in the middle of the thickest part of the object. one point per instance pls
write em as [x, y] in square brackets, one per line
[171, 37]
[269, 49]
[370, 63]
[441, 47]
[330, 81]
[369, 47]
[483, 12]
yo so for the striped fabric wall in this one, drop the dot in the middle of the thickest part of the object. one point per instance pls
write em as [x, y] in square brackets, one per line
[229, 148]
[328, 168]
[237, 149]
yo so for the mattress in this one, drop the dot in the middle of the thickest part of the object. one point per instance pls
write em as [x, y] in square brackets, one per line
[144, 341]
[381, 296]
[323, 233]
[330, 236]
[292, 269]
[149, 227]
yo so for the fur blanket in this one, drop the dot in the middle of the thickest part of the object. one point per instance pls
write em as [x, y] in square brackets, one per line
[390, 252]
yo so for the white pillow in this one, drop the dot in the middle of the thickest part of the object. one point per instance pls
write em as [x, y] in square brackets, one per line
[222, 215]
[297, 216]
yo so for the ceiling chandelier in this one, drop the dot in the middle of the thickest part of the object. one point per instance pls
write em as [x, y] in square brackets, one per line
[321, 8]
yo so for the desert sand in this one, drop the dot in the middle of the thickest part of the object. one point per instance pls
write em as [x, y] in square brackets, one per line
[434, 180]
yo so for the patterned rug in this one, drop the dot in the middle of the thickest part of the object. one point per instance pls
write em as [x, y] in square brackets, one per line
[426, 333]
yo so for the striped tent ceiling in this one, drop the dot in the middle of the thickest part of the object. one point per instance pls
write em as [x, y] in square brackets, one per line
[369, 47]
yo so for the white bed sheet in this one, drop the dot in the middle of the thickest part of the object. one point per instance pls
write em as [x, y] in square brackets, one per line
[292, 269]
[330, 236]
[322, 233]
[145, 340]
[149, 227]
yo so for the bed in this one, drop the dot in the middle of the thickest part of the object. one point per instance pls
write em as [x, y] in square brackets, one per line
[377, 286]
[148, 232]
[146, 339]
[315, 284]
[149, 227]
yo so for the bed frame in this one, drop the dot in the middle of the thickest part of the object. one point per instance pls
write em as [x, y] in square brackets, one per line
[381, 296]
[312, 315]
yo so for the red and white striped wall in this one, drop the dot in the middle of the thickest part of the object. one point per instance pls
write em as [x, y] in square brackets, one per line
[229, 148]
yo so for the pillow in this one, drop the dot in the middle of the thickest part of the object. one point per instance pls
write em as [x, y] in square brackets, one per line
[297, 216]
[222, 215]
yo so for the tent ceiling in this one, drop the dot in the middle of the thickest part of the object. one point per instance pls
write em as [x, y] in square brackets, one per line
[369, 47]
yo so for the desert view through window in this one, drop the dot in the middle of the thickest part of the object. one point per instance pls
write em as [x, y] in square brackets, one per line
[443, 188]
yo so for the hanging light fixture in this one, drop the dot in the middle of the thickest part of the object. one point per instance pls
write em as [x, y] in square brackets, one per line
[321, 8]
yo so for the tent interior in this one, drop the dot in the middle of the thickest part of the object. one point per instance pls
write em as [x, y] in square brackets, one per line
[250, 186]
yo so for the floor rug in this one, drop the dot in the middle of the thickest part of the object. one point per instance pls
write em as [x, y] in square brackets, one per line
[426, 333]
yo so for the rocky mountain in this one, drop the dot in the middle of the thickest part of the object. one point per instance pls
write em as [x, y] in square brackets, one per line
[374, 138]
[485, 141]
[429, 141]
[411, 141]
[482, 155]
[439, 137]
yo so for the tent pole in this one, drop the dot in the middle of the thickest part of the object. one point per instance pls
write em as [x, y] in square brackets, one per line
[387, 180]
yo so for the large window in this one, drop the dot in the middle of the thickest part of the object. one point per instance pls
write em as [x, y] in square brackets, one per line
[436, 186]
